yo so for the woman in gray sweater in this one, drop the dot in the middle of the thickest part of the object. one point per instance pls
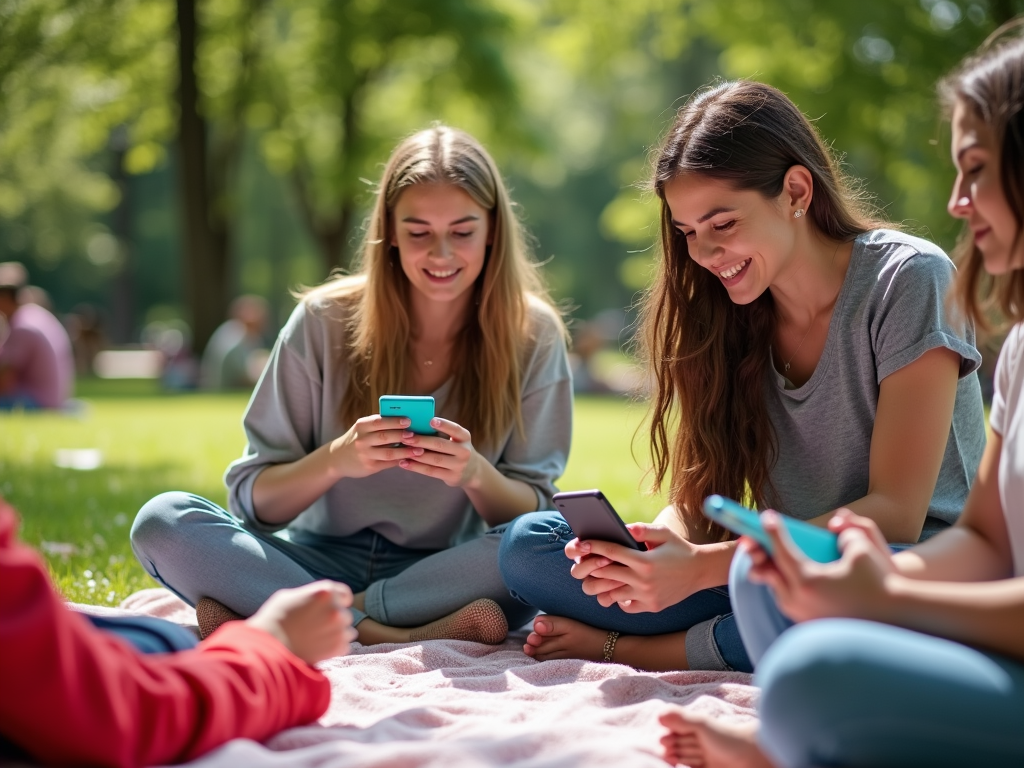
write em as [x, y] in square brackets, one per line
[446, 303]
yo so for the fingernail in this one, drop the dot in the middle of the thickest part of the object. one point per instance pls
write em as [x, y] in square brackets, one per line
[435, 422]
[407, 435]
[403, 464]
[405, 422]
[584, 546]
[417, 451]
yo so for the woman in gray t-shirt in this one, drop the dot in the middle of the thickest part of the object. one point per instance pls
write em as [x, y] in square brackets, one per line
[446, 304]
[802, 358]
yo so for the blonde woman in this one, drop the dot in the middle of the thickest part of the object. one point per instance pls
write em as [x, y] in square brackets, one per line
[445, 303]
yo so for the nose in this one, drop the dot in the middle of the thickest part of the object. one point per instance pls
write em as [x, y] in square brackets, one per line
[443, 249]
[959, 205]
[703, 252]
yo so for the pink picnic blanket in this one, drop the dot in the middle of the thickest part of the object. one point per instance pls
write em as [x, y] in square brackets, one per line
[455, 704]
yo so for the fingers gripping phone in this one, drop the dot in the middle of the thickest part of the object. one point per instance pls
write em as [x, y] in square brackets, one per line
[591, 516]
[817, 543]
[419, 410]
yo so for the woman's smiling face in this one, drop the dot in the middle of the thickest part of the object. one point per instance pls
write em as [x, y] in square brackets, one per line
[442, 235]
[978, 197]
[742, 237]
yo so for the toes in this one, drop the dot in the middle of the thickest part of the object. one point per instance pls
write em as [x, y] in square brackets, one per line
[679, 722]
[534, 639]
[542, 627]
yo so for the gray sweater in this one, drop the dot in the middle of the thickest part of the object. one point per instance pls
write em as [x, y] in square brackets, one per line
[294, 410]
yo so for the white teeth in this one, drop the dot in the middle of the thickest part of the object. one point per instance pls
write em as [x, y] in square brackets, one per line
[734, 270]
[446, 273]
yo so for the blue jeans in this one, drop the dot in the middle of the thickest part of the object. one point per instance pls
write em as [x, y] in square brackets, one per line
[858, 693]
[147, 633]
[533, 563]
[196, 549]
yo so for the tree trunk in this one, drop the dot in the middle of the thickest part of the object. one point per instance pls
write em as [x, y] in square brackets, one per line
[123, 289]
[204, 256]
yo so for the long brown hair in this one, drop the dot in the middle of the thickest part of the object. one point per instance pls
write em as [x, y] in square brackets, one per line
[710, 358]
[991, 82]
[487, 355]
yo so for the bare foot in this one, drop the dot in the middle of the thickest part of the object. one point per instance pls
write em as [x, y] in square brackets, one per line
[556, 637]
[482, 621]
[701, 742]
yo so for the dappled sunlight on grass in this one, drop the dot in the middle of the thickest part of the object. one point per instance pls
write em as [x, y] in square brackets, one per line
[150, 443]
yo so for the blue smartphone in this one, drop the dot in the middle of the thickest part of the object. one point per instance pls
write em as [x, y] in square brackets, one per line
[817, 543]
[418, 409]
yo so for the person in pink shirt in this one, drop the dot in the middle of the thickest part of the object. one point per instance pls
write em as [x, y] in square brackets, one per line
[36, 362]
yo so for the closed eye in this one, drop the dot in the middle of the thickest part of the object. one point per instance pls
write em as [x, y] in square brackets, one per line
[463, 234]
[417, 235]
[723, 227]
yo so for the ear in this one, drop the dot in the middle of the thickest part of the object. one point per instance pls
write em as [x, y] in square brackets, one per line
[797, 190]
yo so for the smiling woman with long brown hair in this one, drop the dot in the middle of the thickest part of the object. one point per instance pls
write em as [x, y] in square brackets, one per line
[446, 303]
[802, 359]
[915, 658]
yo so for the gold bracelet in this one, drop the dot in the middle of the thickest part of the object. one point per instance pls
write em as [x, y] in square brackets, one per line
[609, 645]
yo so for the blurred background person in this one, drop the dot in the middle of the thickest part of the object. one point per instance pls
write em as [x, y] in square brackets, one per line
[237, 351]
[36, 364]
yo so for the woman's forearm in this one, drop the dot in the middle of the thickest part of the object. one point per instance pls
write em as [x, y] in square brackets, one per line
[282, 491]
[959, 553]
[986, 614]
[496, 498]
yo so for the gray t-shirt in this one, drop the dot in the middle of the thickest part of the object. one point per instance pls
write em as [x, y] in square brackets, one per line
[294, 410]
[891, 309]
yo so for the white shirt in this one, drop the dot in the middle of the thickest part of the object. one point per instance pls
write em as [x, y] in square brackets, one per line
[1007, 420]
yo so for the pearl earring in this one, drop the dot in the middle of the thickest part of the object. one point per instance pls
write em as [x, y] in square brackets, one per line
[798, 213]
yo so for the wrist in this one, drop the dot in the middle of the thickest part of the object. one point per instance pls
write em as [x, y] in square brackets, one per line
[331, 459]
[473, 478]
[712, 561]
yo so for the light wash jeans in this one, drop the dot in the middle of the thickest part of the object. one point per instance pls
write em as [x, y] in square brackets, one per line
[196, 549]
[533, 562]
[845, 692]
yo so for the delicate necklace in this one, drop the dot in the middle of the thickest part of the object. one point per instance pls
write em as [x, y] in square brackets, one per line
[785, 365]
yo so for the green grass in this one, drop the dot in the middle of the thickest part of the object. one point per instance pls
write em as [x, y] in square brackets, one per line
[152, 443]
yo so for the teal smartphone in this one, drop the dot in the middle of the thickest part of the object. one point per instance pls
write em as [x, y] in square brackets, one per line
[817, 543]
[418, 409]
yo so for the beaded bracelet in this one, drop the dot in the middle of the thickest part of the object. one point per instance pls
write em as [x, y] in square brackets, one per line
[609, 645]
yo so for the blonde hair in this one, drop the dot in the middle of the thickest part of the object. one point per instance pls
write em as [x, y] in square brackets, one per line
[487, 355]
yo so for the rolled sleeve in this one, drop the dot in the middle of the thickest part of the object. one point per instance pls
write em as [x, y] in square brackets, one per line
[915, 317]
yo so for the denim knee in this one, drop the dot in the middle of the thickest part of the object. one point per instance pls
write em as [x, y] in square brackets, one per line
[155, 522]
[805, 680]
[528, 539]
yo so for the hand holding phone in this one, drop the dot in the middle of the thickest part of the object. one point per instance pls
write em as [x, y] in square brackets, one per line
[817, 543]
[591, 516]
[419, 409]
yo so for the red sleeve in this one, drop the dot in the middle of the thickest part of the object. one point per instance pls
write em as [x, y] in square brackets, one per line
[74, 694]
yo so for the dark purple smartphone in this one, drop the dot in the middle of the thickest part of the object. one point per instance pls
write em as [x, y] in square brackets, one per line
[591, 516]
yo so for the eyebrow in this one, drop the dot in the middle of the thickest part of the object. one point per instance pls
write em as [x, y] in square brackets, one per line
[706, 216]
[463, 220]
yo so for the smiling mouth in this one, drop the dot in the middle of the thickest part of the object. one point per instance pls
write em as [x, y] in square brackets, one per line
[441, 274]
[735, 269]
[980, 233]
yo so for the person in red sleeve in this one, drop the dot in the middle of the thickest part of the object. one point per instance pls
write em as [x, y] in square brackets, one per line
[73, 694]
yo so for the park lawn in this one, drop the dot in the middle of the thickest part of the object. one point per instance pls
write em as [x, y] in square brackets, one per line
[152, 443]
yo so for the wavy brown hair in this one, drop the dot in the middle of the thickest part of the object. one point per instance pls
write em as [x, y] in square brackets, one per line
[709, 358]
[487, 355]
[991, 83]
